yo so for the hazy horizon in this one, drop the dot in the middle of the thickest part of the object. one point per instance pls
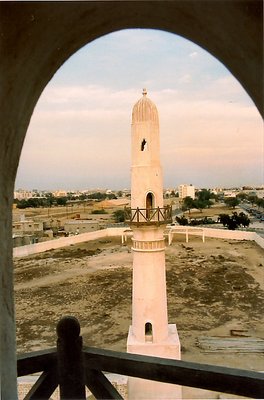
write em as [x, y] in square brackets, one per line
[79, 136]
[94, 189]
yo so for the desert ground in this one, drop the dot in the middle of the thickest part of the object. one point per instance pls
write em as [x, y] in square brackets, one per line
[215, 289]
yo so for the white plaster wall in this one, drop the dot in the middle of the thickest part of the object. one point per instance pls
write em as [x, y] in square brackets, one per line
[146, 171]
[219, 233]
[149, 295]
[229, 234]
[258, 239]
[23, 251]
[169, 348]
[144, 180]
[149, 131]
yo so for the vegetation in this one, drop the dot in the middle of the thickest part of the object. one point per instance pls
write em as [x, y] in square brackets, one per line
[49, 200]
[101, 196]
[257, 201]
[171, 194]
[232, 202]
[253, 199]
[260, 203]
[182, 220]
[201, 201]
[101, 211]
[241, 196]
[36, 202]
[119, 215]
[235, 220]
[194, 222]
[203, 221]
[188, 204]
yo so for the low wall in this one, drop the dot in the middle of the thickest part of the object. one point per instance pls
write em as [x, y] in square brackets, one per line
[27, 250]
[229, 234]
[259, 240]
[218, 233]
[23, 251]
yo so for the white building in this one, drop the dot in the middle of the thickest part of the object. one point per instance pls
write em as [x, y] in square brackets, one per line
[230, 193]
[59, 193]
[150, 333]
[26, 231]
[28, 227]
[186, 190]
[21, 194]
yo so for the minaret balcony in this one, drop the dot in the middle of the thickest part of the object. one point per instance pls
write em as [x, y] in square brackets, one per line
[148, 216]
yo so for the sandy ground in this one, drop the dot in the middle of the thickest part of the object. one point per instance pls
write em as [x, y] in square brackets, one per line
[212, 287]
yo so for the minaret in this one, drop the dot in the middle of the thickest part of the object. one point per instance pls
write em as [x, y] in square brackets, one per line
[150, 333]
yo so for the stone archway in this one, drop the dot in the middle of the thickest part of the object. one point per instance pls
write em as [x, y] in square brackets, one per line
[37, 38]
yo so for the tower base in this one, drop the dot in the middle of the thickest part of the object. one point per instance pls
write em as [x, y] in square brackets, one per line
[145, 389]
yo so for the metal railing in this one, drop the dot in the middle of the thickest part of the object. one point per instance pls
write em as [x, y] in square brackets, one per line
[73, 367]
[157, 216]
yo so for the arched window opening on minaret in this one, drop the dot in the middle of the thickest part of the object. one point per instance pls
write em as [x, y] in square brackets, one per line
[148, 332]
[149, 204]
[144, 145]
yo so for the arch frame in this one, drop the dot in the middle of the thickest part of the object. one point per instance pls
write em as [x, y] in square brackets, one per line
[36, 38]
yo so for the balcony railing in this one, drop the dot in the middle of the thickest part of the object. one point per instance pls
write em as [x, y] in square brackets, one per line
[72, 368]
[148, 216]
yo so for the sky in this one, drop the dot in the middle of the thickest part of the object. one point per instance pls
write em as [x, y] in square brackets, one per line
[79, 136]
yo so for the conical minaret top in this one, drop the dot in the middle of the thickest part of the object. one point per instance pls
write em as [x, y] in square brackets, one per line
[145, 110]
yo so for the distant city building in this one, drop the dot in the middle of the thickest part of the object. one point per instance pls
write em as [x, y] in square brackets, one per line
[216, 190]
[247, 188]
[59, 193]
[230, 193]
[186, 191]
[21, 194]
[167, 193]
[257, 192]
[126, 192]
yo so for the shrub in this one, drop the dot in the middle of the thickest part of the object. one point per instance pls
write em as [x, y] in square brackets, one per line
[182, 220]
[102, 211]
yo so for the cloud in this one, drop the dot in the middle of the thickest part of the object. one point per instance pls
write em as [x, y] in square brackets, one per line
[186, 78]
[86, 96]
[211, 134]
[83, 118]
[194, 54]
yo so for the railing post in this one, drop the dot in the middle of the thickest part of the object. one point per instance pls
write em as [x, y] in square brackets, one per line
[70, 359]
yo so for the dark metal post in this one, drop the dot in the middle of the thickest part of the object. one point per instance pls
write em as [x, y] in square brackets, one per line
[70, 359]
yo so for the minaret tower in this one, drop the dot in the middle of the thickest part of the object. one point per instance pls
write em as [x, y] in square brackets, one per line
[150, 333]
